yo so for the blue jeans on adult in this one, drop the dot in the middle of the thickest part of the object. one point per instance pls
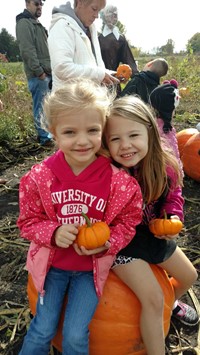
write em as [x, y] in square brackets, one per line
[82, 303]
[39, 88]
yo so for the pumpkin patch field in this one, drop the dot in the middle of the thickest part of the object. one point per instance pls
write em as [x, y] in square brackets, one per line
[19, 150]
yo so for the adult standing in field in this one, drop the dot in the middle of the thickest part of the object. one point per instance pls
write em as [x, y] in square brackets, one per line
[73, 43]
[114, 45]
[32, 39]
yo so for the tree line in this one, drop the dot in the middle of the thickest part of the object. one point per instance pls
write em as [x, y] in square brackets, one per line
[10, 50]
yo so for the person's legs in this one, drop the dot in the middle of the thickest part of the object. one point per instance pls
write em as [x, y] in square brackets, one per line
[138, 276]
[44, 325]
[181, 270]
[39, 88]
[82, 303]
[183, 275]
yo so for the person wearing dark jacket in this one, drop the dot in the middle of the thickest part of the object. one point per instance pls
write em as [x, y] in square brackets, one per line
[114, 45]
[32, 40]
[143, 83]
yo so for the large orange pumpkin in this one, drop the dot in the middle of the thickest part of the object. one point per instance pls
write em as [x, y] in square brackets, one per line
[183, 136]
[191, 156]
[114, 329]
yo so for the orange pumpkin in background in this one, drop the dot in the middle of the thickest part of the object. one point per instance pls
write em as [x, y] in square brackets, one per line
[124, 72]
[191, 156]
[114, 329]
[183, 136]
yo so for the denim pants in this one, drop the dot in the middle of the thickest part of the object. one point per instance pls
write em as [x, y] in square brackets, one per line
[39, 88]
[82, 303]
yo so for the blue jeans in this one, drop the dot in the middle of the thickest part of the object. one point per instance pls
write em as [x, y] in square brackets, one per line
[82, 303]
[39, 88]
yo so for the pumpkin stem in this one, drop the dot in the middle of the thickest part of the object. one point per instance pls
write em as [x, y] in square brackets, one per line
[87, 219]
[165, 214]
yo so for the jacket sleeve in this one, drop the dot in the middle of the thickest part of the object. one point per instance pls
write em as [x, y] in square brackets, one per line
[25, 36]
[131, 87]
[63, 48]
[34, 222]
[123, 226]
[174, 200]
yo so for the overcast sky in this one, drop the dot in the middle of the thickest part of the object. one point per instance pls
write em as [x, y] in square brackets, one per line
[149, 24]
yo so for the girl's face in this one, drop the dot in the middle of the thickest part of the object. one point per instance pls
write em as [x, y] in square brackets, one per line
[79, 135]
[127, 140]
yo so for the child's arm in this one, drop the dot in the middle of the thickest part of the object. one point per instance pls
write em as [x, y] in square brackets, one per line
[174, 201]
[35, 222]
[173, 204]
[123, 225]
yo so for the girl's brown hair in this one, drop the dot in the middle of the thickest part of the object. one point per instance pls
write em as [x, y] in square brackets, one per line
[152, 170]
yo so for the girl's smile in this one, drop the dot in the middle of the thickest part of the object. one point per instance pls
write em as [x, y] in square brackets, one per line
[78, 135]
[127, 140]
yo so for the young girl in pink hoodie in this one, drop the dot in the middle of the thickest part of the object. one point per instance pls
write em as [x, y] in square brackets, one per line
[53, 195]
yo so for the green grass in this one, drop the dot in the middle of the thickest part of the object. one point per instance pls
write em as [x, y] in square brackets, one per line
[16, 121]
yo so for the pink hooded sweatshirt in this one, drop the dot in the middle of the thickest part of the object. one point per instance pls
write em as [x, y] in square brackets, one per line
[37, 222]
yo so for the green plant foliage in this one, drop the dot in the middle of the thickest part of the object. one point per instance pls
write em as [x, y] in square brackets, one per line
[194, 44]
[16, 120]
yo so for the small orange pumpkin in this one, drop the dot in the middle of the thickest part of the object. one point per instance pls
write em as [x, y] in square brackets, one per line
[124, 72]
[191, 156]
[94, 235]
[115, 327]
[183, 136]
[164, 226]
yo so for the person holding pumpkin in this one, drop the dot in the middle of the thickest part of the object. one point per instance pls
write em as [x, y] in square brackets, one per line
[73, 44]
[54, 198]
[133, 140]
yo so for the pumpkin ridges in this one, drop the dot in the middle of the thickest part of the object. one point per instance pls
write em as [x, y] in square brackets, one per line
[163, 226]
[183, 136]
[191, 157]
[116, 317]
[94, 235]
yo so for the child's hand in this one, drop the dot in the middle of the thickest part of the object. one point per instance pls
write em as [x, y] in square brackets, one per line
[83, 251]
[65, 235]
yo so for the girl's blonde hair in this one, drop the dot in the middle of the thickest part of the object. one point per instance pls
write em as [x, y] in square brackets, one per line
[152, 170]
[76, 95]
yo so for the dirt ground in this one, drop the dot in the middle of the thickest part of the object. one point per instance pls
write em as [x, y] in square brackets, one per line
[14, 311]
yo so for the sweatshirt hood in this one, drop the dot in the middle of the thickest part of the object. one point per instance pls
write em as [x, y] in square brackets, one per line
[24, 14]
[150, 77]
[58, 12]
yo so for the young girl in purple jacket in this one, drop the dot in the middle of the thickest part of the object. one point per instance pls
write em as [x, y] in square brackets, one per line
[53, 195]
[133, 140]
